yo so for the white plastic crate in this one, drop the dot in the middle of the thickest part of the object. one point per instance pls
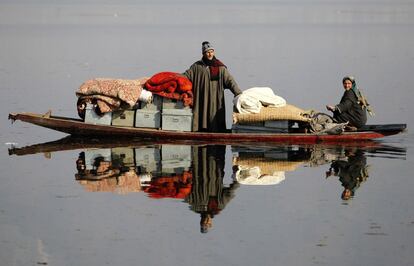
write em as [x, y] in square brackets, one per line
[173, 104]
[177, 119]
[92, 117]
[175, 166]
[123, 118]
[176, 152]
[92, 154]
[147, 118]
[123, 156]
[148, 159]
[175, 158]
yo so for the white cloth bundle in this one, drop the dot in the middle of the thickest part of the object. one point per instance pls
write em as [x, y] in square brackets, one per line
[253, 176]
[252, 100]
[145, 96]
[144, 179]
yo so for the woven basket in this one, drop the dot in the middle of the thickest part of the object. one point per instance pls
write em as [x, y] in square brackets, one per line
[287, 112]
[268, 166]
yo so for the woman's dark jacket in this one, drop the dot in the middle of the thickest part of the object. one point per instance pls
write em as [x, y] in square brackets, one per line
[349, 110]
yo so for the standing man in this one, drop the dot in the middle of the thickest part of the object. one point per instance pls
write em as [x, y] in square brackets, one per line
[210, 77]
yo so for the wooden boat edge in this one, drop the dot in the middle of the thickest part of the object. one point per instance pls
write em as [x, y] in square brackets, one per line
[77, 127]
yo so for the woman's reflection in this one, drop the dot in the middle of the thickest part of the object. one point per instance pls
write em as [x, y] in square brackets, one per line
[352, 171]
[209, 195]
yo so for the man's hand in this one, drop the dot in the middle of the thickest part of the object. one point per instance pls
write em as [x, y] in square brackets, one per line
[330, 108]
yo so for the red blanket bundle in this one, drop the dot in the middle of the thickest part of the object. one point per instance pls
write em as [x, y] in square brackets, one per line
[177, 186]
[171, 85]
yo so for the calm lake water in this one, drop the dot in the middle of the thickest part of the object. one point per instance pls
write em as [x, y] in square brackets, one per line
[122, 202]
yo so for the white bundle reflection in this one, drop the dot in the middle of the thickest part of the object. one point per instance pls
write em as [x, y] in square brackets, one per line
[254, 176]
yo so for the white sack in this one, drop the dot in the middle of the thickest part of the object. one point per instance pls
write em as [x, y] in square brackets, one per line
[252, 100]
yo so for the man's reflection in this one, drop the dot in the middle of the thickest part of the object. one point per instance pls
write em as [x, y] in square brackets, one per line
[352, 171]
[209, 195]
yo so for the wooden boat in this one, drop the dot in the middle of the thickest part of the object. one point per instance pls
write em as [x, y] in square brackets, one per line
[76, 127]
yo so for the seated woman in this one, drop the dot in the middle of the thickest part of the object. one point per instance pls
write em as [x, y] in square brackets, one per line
[351, 108]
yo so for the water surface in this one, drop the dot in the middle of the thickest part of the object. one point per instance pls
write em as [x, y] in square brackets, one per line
[50, 213]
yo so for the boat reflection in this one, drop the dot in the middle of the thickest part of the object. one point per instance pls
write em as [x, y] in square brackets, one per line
[126, 169]
[268, 166]
[192, 173]
[195, 173]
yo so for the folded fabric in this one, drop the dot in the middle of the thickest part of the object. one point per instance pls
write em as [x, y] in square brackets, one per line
[171, 85]
[252, 100]
[247, 105]
[110, 94]
[323, 124]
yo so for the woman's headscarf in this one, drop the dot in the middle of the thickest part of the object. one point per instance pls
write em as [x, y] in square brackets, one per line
[354, 86]
[361, 99]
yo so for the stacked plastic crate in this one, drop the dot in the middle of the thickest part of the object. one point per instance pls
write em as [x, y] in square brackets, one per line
[164, 113]
[176, 116]
[149, 114]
